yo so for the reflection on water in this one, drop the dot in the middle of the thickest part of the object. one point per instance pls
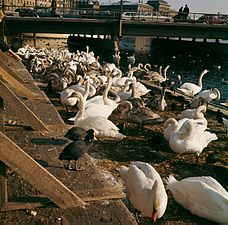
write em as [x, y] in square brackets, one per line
[186, 58]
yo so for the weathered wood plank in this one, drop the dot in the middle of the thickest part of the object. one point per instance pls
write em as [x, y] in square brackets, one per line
[20, 108]
[36, 175]
[6, 72]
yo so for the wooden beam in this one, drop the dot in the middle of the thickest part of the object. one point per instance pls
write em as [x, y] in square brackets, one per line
[20, 108]
[3, 186]
[2, 128]
[8, 75]
[36, 175]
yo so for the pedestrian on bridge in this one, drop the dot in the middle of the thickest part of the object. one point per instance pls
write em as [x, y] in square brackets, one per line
[185, 11]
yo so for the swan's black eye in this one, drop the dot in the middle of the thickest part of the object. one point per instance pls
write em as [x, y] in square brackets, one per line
[154, 210]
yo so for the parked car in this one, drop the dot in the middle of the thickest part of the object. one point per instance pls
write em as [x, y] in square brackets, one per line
[46, 12]
[146, 16]
[11, 13]
[181, 19]
[26, 12]
[212, 19]
[73, 14]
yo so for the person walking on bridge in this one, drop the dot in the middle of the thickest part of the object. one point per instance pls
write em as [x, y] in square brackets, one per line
[185, 11]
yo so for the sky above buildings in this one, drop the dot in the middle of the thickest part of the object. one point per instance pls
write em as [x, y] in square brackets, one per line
[195, 6]
[198, 6]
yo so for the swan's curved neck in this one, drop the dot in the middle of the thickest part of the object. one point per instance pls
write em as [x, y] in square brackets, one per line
[200, 84]
[189, 129]
[165, 72]
[171, 122]
[199, 112]
[105, 93]
[82, 101]
[128, 107]
[133, 91]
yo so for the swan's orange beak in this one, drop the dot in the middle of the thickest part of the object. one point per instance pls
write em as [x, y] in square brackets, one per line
[154, 215]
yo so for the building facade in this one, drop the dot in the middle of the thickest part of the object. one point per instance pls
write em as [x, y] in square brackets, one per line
[160, 6]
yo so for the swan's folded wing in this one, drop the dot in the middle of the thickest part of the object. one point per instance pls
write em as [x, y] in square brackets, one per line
[210, 181]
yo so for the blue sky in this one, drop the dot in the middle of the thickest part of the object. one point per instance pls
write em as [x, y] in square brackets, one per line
[195, 6]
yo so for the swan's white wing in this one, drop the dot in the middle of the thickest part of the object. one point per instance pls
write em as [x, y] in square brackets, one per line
[210, 181]
[148, 170]
[200, 199]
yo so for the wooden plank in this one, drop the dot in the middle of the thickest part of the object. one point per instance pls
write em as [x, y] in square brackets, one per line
[20, 108]
[3, 186]
[36, 175]
[6, 74]
[2, 115]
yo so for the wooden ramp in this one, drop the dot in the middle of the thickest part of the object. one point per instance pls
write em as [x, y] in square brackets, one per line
[37, 172]
[18, 89]
[36, 175]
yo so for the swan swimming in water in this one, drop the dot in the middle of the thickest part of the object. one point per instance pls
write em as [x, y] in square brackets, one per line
[145, 189]
[191, 88]
[202, 196]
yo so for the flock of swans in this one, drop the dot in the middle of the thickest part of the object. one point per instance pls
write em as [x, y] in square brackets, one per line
[99, 90]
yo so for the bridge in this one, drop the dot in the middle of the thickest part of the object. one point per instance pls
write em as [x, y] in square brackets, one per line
[15, 25]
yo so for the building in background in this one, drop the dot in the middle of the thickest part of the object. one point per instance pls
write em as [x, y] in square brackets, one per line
[128, 7]
[160, 6]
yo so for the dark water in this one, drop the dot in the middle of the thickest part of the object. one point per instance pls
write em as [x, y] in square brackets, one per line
[185, 58]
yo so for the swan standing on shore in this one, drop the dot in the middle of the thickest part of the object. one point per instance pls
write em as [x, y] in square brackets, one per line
[202, 196]
[209, 95]
[145, 189]
[191, 88]
[172, 125]
[191, 138]
[103, 128]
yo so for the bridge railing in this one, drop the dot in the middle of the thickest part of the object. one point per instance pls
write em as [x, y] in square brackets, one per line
[192, 17]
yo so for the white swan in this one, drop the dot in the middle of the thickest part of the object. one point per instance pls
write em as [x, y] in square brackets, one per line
[102, 127]
[145, 189]
[67, 98]
[191, 138]
[193, 113]
[172, 125]
[162, 102]
[191, 88]
[209, 95]
[202, 196]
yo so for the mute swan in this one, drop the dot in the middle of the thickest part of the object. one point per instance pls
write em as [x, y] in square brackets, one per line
[172, 125]
[193, 113]
[191, 138]
[162, 102]
[140, 116]
[67, 98]
[145, 189]
[102, 127]
[202, 196]
[209, 95]
[191, 88]
[75, 149]
[131, 59]
[116, 59]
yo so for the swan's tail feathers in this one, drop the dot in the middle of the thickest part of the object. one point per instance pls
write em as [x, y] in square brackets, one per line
[72, 119]
[170, 180]
[123, 170]
[211, 136]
